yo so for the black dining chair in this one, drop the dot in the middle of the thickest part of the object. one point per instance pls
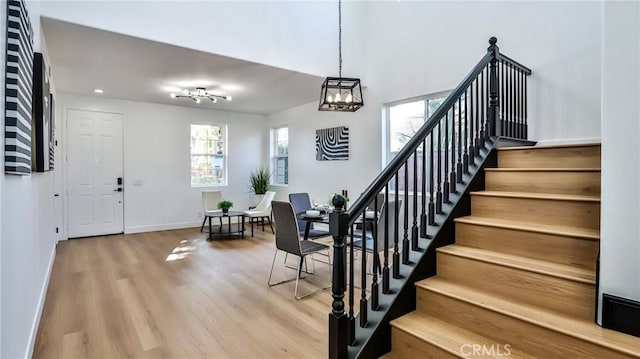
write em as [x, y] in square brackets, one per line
[288, 240]
[301, 203]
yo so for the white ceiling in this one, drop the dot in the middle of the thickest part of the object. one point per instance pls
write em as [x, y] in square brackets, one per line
[131, 68]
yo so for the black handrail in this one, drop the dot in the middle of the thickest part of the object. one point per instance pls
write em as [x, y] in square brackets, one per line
[381, 180]
[496, 79]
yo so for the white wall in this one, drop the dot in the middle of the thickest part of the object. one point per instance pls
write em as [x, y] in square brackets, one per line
[417, 48]
[297, 35]
[620, 228]
[27, 241]
[157, 155]
[323, 178]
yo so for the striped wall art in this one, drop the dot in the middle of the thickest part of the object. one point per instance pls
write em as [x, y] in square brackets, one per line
[18, 91]
[332, 144]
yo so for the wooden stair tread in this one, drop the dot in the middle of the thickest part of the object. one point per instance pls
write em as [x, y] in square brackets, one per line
[582, 329]
[568, 145]
[543, 196]
[558, 270]
[577, 232]
[537, 169]
[444, 335]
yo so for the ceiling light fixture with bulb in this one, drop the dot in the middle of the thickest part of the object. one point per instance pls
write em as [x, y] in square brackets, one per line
[340, 93]
[199, 94]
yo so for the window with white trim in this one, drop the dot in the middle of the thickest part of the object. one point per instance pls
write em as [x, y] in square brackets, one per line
[208, 155]
[404, 119]
[280, 155]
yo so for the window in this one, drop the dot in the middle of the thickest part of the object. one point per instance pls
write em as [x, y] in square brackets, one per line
[405, 119]
[208, 155]
[280, 151]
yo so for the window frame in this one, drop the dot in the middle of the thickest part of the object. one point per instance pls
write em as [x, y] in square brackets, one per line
[274, 157]
[386, 113]
[225, 155]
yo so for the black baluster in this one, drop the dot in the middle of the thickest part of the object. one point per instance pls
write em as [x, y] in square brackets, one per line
[396, 253]
[494, 127]
[521, 102]
[487, 126]
[423, 176]
[512, 101]
[439, 173]
[459, 164]
[352, 317]
[375, 258]
[414, 228]
[405, 238]
[363, 274]
[338, 320]
[453, 179]
[432, 205]
[526, 129]
[385, 268]
[478, 114]
[503, 122]
[445, 174]
[465, 156]
[482, 118]
[472, 134]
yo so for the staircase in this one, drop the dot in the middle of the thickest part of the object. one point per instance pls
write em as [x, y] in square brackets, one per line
[520, 279]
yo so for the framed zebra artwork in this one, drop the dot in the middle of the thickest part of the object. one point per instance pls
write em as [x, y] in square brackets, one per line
[18, 90]
[332, 144]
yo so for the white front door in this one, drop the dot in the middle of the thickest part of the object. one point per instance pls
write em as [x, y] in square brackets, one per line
[94, 163]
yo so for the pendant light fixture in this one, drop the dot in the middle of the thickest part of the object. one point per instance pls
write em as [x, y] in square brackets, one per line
[340, 93]
[200, 93]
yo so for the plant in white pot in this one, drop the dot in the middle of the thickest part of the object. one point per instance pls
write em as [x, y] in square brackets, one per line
[260, 182]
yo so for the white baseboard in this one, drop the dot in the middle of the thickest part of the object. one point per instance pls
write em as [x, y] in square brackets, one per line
[569, 141]
[43, 297]
[161, 227]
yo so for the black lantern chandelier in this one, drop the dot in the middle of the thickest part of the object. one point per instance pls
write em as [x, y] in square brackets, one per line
[340, 93]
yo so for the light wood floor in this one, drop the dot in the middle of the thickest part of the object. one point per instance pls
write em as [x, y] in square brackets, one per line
[173, 294]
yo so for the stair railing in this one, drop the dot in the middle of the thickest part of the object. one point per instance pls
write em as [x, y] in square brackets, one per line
[490, 101]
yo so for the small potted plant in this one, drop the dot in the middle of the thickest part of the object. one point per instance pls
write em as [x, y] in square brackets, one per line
[259, 182]
[224, 205]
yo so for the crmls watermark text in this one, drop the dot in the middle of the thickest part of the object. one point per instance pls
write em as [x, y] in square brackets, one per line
[479, 350]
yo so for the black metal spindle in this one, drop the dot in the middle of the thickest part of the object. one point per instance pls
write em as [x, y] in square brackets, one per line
[478, 118]
[459, 164]
[445, 174]
[423, 176]
[405, 237]
[375, 261]
[385, 268]
[414, 228]
[465, 156]
[487, 125]
[432, 205]
[439, 172]
[363, 274]
[396, 253]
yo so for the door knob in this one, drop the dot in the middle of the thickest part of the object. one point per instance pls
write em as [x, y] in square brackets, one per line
[118, 189]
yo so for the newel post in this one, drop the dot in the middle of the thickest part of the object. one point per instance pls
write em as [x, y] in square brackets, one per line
[493, 126]
[338, 320]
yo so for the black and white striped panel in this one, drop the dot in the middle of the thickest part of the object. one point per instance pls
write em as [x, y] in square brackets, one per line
[18, 91]
[332, 144]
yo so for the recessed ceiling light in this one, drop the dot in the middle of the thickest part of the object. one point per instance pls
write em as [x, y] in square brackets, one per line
[98, 91]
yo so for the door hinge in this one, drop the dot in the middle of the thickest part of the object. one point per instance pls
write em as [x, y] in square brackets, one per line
[57, 231]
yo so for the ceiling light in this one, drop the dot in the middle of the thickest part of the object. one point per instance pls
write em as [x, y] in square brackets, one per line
[340, 93]
[200, 93]
[98, 91]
